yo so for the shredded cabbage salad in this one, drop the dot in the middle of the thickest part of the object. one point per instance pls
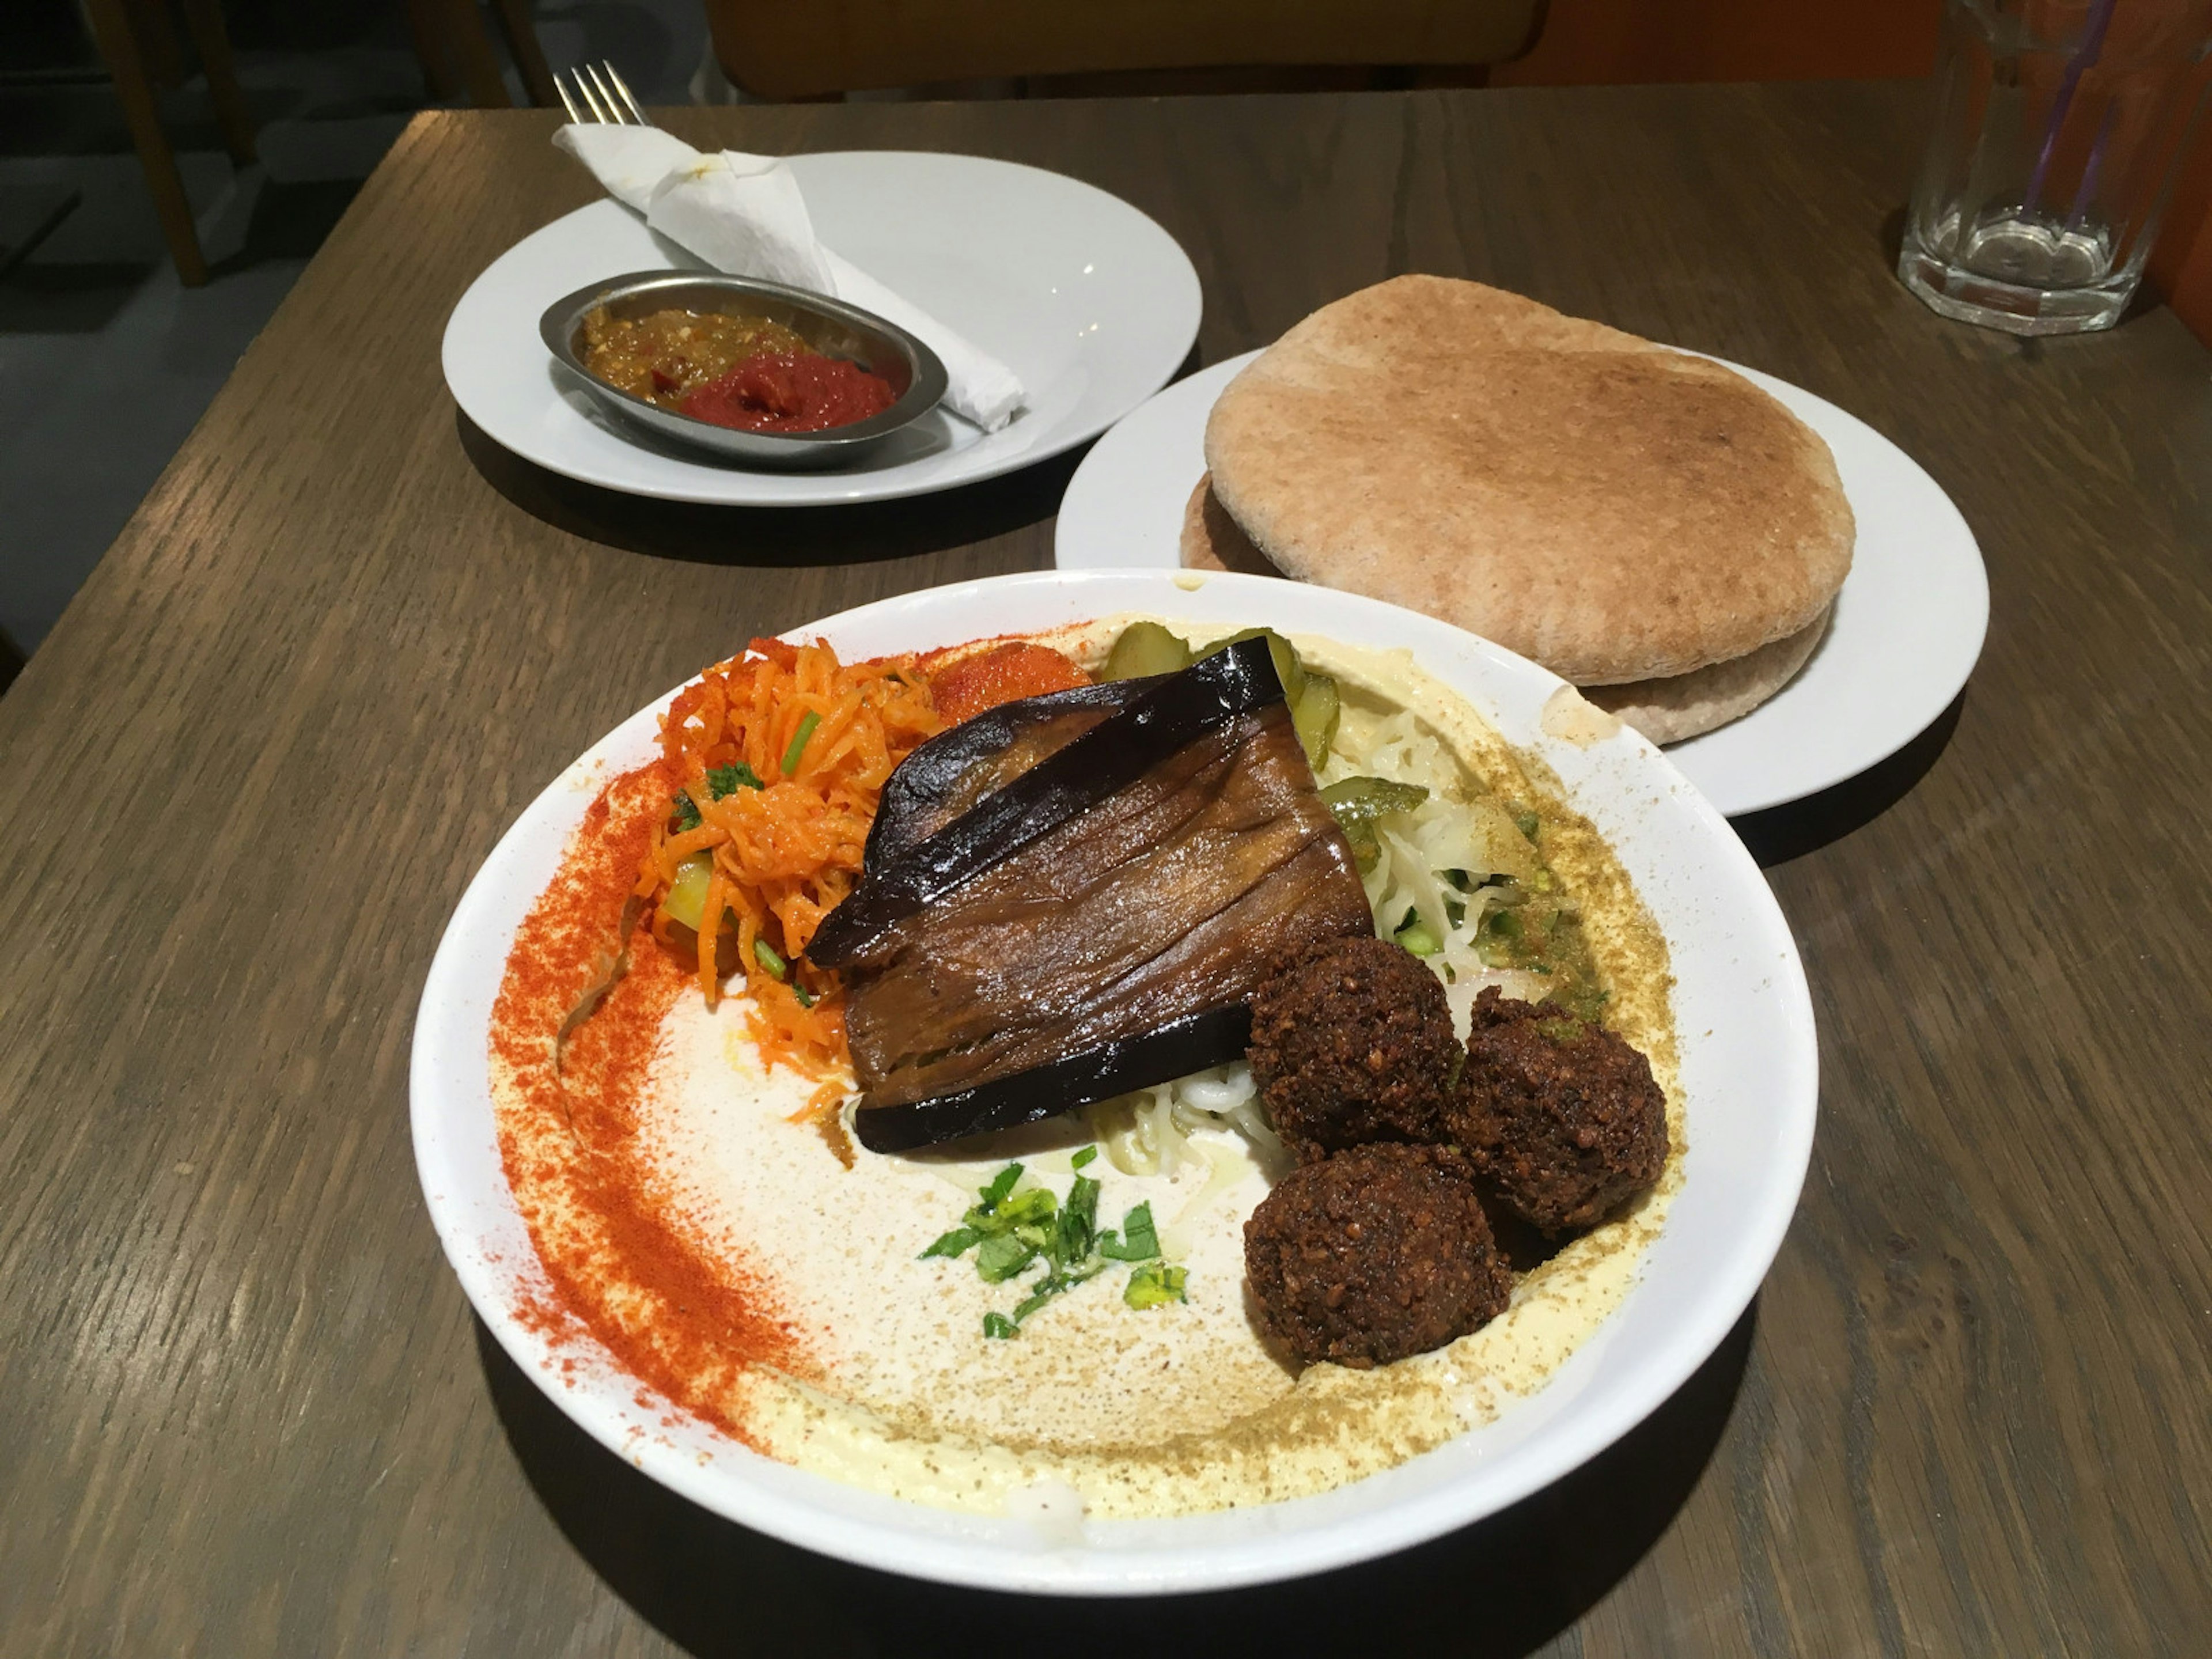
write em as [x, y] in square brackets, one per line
[1440, 870]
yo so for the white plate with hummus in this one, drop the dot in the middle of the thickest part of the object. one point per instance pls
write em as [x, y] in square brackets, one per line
[1905, 632]
[1088, 299]
[851, 1393]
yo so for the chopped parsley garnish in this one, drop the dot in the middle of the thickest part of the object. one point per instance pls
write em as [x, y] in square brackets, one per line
[1149, 1286]
[959, 1241]
[1138, 1241]
[1030, 1214]
[728, 780]
[807, 722]
[1078, 1220]
[1012, 1230]
[1003, 1255]
[721, 780]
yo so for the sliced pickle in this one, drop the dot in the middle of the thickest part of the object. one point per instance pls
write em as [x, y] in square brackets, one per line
[687, 895]
[1370, 798]
[1314, 713]
[1357, 802]
[1145, 648]
[1288, 668]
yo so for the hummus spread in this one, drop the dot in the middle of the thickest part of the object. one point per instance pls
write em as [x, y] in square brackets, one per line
[696, 1222]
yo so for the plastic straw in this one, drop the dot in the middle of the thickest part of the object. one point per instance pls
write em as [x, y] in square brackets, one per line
[2086, 192]
[2085, 54]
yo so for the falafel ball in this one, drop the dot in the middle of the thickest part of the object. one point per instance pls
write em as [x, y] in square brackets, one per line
[1560, 1116]
[1372, 1254]
[1352, 1042]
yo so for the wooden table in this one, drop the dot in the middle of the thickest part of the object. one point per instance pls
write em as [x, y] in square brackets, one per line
[244, 1409]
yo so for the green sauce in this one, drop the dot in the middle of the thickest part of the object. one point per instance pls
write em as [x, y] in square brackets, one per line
[1533, 927]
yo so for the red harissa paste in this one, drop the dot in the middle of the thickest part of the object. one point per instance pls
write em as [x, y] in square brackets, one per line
[791, 391]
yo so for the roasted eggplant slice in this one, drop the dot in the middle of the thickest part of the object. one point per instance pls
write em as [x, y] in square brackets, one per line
[1170, 714]
[1177, 1048]
[956, 768]
[1120, 875]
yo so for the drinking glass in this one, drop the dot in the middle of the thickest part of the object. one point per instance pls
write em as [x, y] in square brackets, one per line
[2058, 126]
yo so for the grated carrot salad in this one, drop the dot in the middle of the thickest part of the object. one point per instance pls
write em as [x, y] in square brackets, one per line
[821, 738]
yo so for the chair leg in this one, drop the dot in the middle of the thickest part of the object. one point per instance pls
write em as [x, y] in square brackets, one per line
[12, 660]
[159, 50]
[529, 57]
[448, 36]
[204, 18]
[479, 62]
[111, 27]
[430, 38]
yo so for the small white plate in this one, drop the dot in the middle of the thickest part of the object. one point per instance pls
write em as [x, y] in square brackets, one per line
[1749, 1068]
[1088, 301]
[1908, 624]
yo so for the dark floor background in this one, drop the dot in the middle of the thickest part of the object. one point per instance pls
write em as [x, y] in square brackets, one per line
[106, 360]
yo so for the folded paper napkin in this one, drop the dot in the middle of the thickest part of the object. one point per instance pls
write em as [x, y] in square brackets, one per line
[744, 214]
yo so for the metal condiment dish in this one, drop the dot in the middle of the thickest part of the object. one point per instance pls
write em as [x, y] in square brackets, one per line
[829, 326]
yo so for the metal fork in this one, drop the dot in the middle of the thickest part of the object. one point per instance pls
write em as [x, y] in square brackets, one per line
[601, 104]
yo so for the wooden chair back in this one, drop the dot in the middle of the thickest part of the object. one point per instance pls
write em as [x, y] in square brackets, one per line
[782, 51]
